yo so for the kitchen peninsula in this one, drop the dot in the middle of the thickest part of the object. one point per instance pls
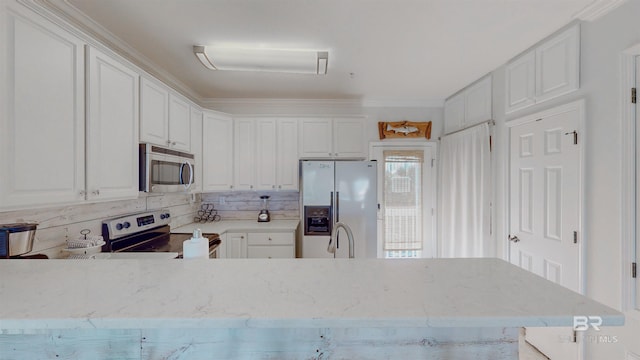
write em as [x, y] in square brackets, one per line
[279, 308]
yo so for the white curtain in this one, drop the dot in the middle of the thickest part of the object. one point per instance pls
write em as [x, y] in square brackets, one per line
[465, 176]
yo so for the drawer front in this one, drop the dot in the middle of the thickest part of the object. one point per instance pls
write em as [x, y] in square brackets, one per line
[270, 252]
[270, 239]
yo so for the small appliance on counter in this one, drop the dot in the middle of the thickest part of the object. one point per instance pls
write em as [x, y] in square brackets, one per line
[264, 216]
[16, 240]
[85, 244]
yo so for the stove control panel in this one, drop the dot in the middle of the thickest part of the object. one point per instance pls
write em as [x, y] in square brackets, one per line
[134, 223]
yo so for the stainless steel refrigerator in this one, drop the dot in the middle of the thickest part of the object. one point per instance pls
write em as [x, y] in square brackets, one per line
[338, 191]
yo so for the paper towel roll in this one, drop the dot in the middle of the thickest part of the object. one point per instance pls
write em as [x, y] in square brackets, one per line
[197, 248]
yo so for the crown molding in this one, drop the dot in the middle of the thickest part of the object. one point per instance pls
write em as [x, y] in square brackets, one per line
[73, 16]
[417, 103]
[597, 9]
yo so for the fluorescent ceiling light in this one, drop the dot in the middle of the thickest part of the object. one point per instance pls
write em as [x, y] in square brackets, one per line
[260, 59]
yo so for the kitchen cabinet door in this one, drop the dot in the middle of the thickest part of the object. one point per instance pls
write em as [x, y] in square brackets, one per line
[112, 128]
[287, 154]
[179, 124]
[557, 65]
[348, 138]
[154, 113]
[315, 136]
[520, 82]
[454, 112]
[244, 154]
[217, 152]
[266, 164]
[43, 128]
[236, 245]
[478, 102]
[196, 148]
[270, 252]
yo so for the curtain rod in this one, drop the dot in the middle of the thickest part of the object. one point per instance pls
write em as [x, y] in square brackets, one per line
[490, 122]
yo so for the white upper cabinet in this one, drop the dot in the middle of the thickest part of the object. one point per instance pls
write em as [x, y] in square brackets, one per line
[179, 123]
[547, 71]
[244, 154]
[154, 112]
[112, 128]
[470, 106]
[164, 117]
[287, 154]
[332, 138]
[266, 154]
[42, 120]
[217, 152]
[454, 113]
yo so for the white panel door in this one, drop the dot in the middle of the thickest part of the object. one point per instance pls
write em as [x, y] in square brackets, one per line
[348, 138]
[315, 138]
[43, 131]
[287, 171]
[217, 152]
[154, 113]
[545, 208]
[266, 153]
[520, 82]
[244, 169]
[179, 123]
[454, 113]
[558, 65]
[478, 102]
[112, 128]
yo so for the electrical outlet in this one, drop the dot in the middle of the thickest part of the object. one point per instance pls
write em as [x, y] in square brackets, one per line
[222, 200]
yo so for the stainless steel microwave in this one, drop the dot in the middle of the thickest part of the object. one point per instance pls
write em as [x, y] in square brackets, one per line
[165, 170]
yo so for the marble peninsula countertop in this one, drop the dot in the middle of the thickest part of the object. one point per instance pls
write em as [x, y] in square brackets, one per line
[283, 293]
[220, 227]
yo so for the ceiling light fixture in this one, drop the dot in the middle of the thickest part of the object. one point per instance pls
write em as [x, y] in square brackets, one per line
[263, 59]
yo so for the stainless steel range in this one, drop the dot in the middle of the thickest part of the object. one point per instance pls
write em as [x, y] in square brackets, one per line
[147, 232]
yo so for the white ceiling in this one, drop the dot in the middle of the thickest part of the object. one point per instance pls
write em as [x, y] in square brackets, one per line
[379, 50]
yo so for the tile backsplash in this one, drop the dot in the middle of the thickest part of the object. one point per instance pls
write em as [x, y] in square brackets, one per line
[59, 223]
[245, 205]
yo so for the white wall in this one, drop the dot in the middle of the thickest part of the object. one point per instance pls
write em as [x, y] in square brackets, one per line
[602, 43]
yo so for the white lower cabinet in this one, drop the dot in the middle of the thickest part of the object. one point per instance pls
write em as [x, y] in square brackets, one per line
[236, 244]
[270, 245]
[256, 245]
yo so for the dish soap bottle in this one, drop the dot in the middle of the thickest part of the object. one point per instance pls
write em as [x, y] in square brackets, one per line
[195, 248]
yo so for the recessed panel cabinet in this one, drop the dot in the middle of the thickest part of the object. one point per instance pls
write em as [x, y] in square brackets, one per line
[217, 152]
[112, 128]
[164, 116]
[322, 138]
[265, 153]
[43, 126]
[470, 106]
[547, 71]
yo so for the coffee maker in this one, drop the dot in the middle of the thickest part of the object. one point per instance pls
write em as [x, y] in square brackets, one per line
[17, 240]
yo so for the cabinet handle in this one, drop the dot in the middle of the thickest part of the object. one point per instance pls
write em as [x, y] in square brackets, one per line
[83, 193]
[250, 186]
[330, 154]
[230, 186]
[168, 142]
[173, 143]
[273, 186]
[269, 257]
[241, 237]
[279, 186]
[269, 238]
[97, 192]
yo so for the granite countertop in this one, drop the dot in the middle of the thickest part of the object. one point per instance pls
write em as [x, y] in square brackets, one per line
[283, 293]
[223, 226]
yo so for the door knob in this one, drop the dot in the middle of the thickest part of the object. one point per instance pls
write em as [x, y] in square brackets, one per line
[514, 239]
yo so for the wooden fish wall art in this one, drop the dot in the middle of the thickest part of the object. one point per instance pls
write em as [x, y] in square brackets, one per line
[404, 129]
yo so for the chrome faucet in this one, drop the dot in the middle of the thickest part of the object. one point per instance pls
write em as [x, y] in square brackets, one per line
[332, 241]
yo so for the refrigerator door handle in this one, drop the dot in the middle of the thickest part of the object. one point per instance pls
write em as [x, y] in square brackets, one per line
[337, 206]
